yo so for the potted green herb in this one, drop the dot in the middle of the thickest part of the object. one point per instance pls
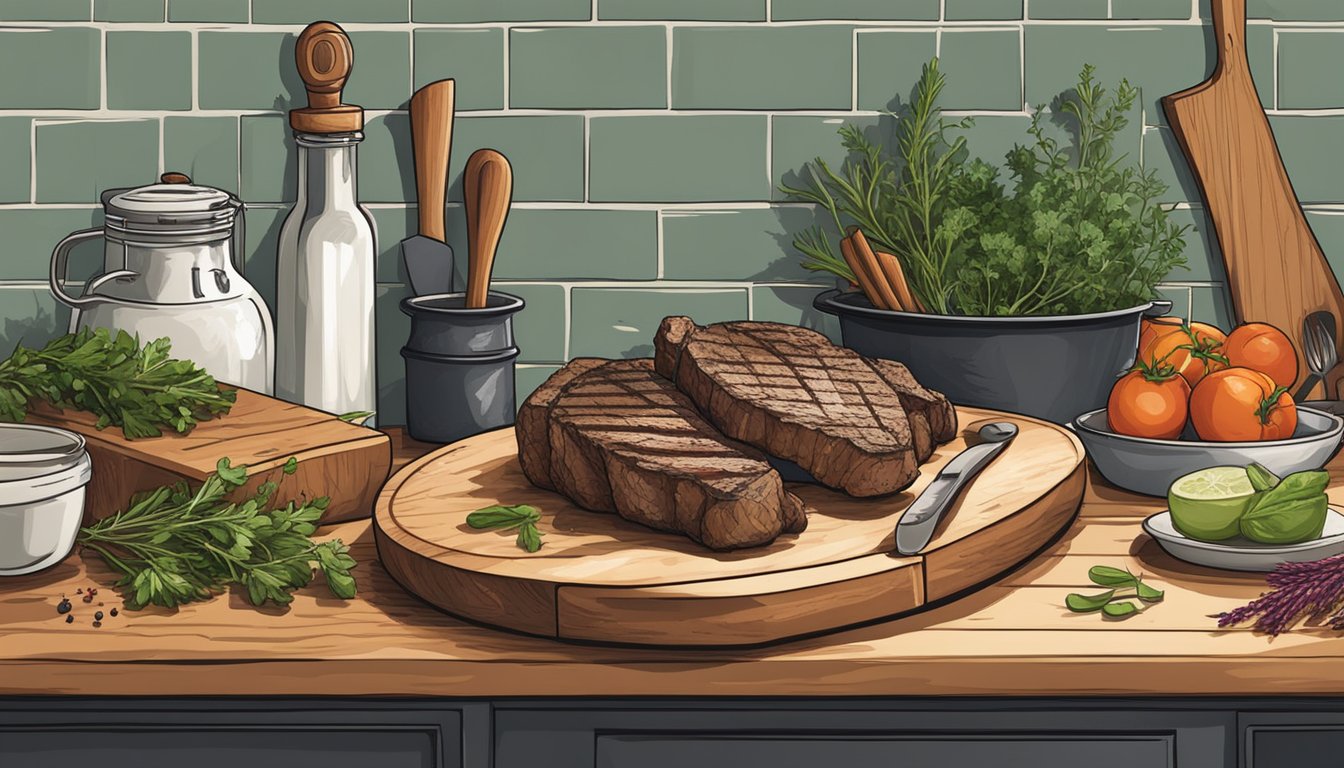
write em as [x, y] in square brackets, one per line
[1031, 288]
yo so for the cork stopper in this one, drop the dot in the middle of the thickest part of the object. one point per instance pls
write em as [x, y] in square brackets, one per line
[324, 58]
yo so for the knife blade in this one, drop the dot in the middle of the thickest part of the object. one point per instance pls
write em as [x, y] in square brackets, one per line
[427, 255]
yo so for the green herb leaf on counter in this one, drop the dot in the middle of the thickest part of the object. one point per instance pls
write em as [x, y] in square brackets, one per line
[1088, 603]
[142, 390]
[1110, 603]
[1106, 576]
[356, 417]
[1120, 610]
[523, 517]
[177, 545]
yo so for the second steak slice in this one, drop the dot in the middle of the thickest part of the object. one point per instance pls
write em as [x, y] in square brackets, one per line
[859, 426]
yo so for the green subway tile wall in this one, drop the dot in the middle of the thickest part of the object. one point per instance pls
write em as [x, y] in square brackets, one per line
[648, 137]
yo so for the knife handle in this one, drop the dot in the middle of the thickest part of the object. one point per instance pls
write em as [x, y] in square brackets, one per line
[431, 143]
[915, 528]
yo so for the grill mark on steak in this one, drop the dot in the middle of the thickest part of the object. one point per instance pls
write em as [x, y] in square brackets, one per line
[856, 426]
[619, 438]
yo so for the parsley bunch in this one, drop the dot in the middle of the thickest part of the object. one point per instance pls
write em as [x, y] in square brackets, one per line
[176, 545]
[139, 389]
[1075, 229]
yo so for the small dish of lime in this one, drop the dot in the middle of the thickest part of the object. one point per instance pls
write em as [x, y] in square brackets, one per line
[1208, 505]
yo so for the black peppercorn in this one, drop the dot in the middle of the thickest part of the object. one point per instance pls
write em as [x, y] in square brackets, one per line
[114, 611]
[97, 624]
[69, 619]
[63, 606]
[97, 615]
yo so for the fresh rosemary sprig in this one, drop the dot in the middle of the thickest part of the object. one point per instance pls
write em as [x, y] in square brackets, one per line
[139, 389]
[176, 545]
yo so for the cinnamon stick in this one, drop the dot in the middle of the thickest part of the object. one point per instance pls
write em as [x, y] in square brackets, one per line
[890, 271]
[869, 272]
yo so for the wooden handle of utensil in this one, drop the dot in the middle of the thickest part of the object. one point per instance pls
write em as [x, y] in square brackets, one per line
[431, 144]
[1276, 270]
[324, 58]
[488, 192]
[889, 270]
[866, 275]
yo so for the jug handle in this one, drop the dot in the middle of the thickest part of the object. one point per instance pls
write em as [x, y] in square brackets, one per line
[61, 255]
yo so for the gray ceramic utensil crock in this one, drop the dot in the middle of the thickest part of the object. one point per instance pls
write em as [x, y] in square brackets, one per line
[459, 365]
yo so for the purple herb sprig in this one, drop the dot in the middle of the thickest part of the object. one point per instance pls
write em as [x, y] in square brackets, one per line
[1313, 589]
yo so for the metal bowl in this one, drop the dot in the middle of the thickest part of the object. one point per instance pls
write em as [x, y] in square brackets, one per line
[1150, 466]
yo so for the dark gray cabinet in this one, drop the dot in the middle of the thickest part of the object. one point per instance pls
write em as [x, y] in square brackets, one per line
[1294, 739]
[130, 732]
[931, 734]
[139, 734]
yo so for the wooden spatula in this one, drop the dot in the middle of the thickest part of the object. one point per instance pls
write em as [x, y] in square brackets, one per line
[487, 189]
[1276, 270]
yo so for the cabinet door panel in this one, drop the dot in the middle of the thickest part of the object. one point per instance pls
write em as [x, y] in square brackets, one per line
[1295, 747]
[1024, 751]
[218, 748]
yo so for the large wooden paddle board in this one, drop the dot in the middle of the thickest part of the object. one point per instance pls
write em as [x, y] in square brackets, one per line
[601, 578]
[1276, 269]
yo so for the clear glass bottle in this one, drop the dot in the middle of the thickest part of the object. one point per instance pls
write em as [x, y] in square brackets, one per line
[325, 355]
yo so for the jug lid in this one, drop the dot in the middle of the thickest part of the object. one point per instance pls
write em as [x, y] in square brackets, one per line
[174, 205]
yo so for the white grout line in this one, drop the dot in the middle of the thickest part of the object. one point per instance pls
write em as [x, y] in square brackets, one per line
[32, 161]
[149, 114]
[660, 272]
[508, 78]
[854, 69]
[669, 45]
[569, 304]
[102, 74]
[1274, 69]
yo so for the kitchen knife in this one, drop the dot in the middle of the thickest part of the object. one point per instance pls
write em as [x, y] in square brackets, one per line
[917, 523]
[428, 257]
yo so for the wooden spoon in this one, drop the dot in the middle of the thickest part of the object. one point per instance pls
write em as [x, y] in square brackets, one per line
[487, 189]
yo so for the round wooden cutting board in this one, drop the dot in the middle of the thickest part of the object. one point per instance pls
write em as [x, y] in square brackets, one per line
[599, 577]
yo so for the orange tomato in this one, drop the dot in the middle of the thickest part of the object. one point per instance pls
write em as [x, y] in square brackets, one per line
[1263, 348]
[1144, 403]
[1242, 405]
[1193, 350]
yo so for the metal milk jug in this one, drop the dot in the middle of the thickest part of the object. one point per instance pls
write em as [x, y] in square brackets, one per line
[169, 271]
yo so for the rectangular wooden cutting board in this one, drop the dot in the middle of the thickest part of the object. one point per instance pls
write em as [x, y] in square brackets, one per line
[343, 461]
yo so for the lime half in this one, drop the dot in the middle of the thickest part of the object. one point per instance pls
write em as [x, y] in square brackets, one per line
[1208, 504]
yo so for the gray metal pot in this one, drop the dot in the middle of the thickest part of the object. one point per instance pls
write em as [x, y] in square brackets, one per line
[1053, 367]
[459, 366]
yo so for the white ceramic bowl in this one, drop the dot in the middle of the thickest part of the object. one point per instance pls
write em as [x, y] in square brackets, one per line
[43, 472]
[1148, 466]
[1239, 554]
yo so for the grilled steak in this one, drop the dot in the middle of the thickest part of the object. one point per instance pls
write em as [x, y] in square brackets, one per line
[858, 425]
[614, 436]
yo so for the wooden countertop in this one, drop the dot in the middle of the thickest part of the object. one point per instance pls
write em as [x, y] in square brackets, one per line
[1011, 638]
